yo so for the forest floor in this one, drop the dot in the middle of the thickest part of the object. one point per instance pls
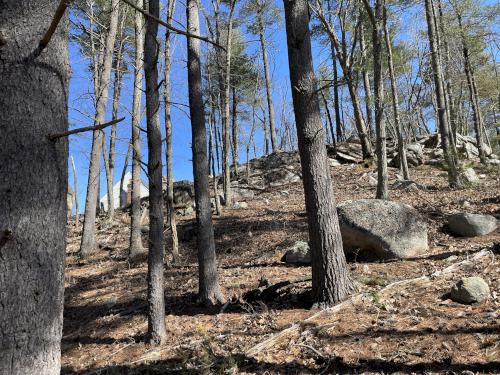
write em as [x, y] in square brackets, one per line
[400, 322]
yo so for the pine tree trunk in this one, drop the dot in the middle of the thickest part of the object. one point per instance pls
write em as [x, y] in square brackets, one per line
[378, 81]
[234, 131]
[33, 187]
[136, 248]
[225, 110]
[269, 92]
[209, 289]
[117, 89]
[157, 333]
[449, 155]
[88, 243]
[395, 104]
[124, 171]
[336, 105]
[168, 136]
[331, 282]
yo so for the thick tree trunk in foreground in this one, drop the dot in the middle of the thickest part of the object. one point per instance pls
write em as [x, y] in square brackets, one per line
[450, 157]
[331, 282]
[136, 247]
[157, 333]
[168, 136]
[209, 289]
[395, 104]
[88, 244]
[33, 188]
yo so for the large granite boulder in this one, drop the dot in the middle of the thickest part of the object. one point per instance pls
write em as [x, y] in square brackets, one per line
[378, 229]
[471, 225]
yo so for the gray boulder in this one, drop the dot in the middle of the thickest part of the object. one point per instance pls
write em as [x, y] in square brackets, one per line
[470, 290]
[299, 253]
[241, 205]
[471, 225]
[378, 229]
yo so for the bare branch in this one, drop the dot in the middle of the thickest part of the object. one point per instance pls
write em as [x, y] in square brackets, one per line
[53, 137]
[61, 9]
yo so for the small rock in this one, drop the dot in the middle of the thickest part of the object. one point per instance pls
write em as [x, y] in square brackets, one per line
[470, 290]
[299, 253]
[471, 225]
[408, 185]
[145, 229]
[241, 205]
[471, 176]
[188, 211]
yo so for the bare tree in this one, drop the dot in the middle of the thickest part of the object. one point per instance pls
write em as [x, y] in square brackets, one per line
[168, 134]
[136, 247]
[395, 102]
[450, 156]
[157, 333]
[331, 282]
[88, 243]
[209, 289]
[33, 190]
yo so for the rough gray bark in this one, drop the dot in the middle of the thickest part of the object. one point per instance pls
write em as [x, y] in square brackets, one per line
[117, 90]
[33, 187]
[88, 243]
[377, 21]
[234, 131]
[450, 156]
[136, 247]
[331, 282]
[395, 103]
[336, 105]
[225, 109]
[269, 91]
[168, 135]
[157, 333]
[209, 289]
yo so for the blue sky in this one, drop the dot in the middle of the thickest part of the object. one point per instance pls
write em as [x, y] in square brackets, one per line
[81, 109]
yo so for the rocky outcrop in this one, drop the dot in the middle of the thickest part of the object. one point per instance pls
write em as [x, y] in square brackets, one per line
[379, 229]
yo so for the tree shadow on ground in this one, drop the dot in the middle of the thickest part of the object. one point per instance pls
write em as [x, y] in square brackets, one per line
[324, 365]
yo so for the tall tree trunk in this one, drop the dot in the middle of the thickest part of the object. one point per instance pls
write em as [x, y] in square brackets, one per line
[266, 135]
[136, 248]
[168, 135]
[225, 109]
[395, 103]
[336, 105]
[378, 81]
[366, 81]
[157, 333]
[88, 243]
[234, 130]
[33, 187]
[449, 155]
[209, 289]
[117, 89]
[269, 92]
[476, 110]
[75, 184]
[331, 282]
